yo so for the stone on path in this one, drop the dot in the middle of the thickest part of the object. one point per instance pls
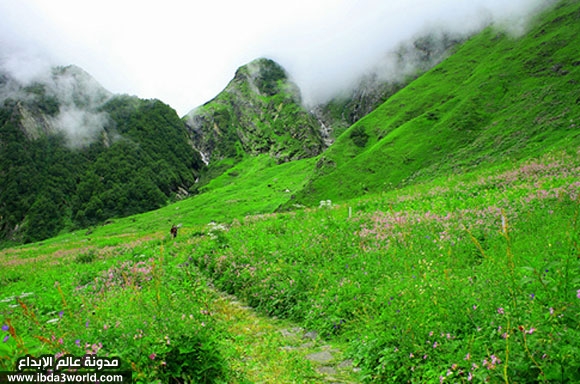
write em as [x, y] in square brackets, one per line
[345, 364]
[326, 370]
[320, 357]
[310, 335]
[292, 332]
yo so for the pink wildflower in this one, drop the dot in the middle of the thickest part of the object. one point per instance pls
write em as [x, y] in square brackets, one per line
[152, 356]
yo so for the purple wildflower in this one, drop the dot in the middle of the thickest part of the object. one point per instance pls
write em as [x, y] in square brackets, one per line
[5, 327]
[6, 338]
[500, 310]
[578, 294]
[60, 314]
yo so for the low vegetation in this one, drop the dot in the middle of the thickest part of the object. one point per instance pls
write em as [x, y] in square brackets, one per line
[467, 278]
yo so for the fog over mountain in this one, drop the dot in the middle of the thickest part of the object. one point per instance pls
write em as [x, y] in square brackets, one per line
[184, 53]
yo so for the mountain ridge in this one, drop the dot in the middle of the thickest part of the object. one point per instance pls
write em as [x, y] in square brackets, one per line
[75, 155]
[259, 111]
[494, 98]
[482, 105]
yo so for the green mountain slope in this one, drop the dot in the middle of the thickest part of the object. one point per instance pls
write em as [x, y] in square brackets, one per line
[258, 112]
[410, 60]
[74, 155]
[498, 98]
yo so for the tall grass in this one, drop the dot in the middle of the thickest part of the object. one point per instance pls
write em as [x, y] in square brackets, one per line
[473, 278]
[153, 314]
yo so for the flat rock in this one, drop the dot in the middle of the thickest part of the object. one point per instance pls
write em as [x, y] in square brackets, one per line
[292, 332]
[320, 357]
[310, 335]
[345, 364]
[326, 370]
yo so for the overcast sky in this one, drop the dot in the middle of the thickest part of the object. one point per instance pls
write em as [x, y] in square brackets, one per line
[185, 52]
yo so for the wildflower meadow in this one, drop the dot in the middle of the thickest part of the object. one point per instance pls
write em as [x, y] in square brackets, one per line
[470, 278]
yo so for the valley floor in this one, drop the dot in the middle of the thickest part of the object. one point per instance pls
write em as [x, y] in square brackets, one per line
[469, 278]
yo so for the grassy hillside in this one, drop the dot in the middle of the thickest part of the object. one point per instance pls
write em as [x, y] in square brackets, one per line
[410, 60]
[498, 99]
[74, 155]
[259, 112]
[470, 277]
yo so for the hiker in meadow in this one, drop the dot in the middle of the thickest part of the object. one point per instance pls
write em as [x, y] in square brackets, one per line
[174, 231]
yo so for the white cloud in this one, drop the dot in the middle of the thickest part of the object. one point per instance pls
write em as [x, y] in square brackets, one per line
[185, 52]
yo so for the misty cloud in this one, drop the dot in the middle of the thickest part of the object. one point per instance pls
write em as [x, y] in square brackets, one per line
[184, 53]
[77, 95]
[382, 43]
[80, 126]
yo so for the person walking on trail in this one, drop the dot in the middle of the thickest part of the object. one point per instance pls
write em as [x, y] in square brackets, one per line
[174, 231]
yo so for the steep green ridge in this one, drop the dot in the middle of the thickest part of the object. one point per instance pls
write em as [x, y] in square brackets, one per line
[148, 161]
[258, 112]
[498, 98]
[410, 60]
[74, 155]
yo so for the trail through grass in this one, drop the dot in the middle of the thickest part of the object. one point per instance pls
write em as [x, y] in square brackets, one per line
[141, 301]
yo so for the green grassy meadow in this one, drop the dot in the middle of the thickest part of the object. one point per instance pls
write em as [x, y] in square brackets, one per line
[498, 98]
[463, 279]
